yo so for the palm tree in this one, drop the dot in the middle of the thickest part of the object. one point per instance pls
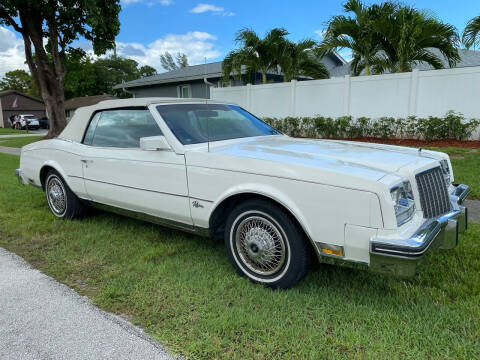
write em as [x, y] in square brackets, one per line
[471, 34]
[255, 54]
[358, 33]
[298, 59]
[411, 36]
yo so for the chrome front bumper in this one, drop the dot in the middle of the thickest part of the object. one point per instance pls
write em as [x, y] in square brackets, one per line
[401, 257]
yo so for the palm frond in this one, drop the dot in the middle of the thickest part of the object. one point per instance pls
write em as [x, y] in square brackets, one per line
[471, 34]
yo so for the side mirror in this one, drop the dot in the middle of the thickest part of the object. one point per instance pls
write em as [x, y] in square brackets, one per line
[152, 143]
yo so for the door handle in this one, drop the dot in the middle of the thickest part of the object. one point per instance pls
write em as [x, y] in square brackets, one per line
[86, 161]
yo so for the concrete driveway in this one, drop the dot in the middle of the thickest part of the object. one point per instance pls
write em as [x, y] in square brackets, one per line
[42, 319]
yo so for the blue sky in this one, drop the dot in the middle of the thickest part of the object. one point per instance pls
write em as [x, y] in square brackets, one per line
[207, 28]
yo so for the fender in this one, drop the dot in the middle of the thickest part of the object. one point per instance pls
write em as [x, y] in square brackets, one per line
[267, 191]
[56, 166]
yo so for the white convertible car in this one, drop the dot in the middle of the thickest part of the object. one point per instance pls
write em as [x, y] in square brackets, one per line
[213, 168]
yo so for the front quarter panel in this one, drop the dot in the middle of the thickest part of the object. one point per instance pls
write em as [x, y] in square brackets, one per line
[322, 210]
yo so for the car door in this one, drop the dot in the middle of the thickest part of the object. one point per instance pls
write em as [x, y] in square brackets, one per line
[118, 173]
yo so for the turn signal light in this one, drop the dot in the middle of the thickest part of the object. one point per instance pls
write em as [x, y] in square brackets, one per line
[332, 252]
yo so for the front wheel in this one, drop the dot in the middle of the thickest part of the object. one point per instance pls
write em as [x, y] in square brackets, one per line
[265, 245]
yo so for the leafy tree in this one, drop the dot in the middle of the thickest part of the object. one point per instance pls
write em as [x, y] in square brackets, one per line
[81, 77]
[297, 59]
[412, 36]
[19, 80]
[115, 70]
[170, 64]
[390, 36]
[255, 54]
[48, 28]
[358, 33]
[147, 70]
[471, 34]
[86, 76]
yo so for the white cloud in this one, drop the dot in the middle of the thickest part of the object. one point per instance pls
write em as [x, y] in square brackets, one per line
[217, 10]
[197, 45]
[12, 55]
[201, 8]
[148, 2]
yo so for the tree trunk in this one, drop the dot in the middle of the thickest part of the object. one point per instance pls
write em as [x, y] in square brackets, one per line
[264, 77]
[48, 77]
[55, 107]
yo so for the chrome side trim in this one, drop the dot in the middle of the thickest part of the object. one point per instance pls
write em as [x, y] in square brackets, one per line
[205, 232]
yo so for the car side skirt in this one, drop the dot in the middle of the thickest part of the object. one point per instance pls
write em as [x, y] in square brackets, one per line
[204, 232]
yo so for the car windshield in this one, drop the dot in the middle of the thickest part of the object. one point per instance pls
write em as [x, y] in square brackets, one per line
[29, 117]
[199, 123]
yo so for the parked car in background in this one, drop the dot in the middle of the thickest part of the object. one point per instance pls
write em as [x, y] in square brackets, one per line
[25, 121]
[44, 123]
[278, 202]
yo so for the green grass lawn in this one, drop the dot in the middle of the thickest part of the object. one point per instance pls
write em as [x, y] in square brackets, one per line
[20, 141]
[8, 131]
[182, 290]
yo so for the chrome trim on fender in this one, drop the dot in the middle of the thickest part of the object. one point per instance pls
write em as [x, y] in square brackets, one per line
[401, 257]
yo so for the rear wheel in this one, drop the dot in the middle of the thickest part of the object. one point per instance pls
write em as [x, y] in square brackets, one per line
[63, 203]
[265, 245]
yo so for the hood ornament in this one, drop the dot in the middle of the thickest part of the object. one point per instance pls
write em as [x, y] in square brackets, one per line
[419, 151]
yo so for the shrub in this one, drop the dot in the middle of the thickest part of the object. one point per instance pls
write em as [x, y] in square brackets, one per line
[451, 126]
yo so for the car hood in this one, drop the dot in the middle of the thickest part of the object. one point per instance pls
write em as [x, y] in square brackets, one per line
[375, 159]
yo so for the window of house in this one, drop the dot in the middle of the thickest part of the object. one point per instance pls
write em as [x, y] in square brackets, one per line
[121, 128]
[184, 91]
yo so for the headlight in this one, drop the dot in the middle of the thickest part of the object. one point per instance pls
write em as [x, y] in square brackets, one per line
[403, 202]
[446, 171]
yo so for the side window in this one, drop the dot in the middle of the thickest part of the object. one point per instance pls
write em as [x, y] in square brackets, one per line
[87, 140]
[122, 128]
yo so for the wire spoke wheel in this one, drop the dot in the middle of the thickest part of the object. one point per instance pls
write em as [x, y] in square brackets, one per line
[56, 195]
[260, 245]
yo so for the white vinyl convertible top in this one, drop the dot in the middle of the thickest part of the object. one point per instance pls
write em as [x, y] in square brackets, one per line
[76, 127]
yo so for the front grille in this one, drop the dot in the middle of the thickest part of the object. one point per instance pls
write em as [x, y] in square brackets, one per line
[433, 193]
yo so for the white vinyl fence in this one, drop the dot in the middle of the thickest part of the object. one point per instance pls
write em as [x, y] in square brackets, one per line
[419, 93]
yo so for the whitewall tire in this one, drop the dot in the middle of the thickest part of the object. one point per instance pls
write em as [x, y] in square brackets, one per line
[265, 244]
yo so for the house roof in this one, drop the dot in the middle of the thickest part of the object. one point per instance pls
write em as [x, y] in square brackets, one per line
[9, 92]
[77, 102]
[194, 72]
[467, 58]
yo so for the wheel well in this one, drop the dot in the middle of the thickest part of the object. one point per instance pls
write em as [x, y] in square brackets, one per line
[43, 174]
[220, 214]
